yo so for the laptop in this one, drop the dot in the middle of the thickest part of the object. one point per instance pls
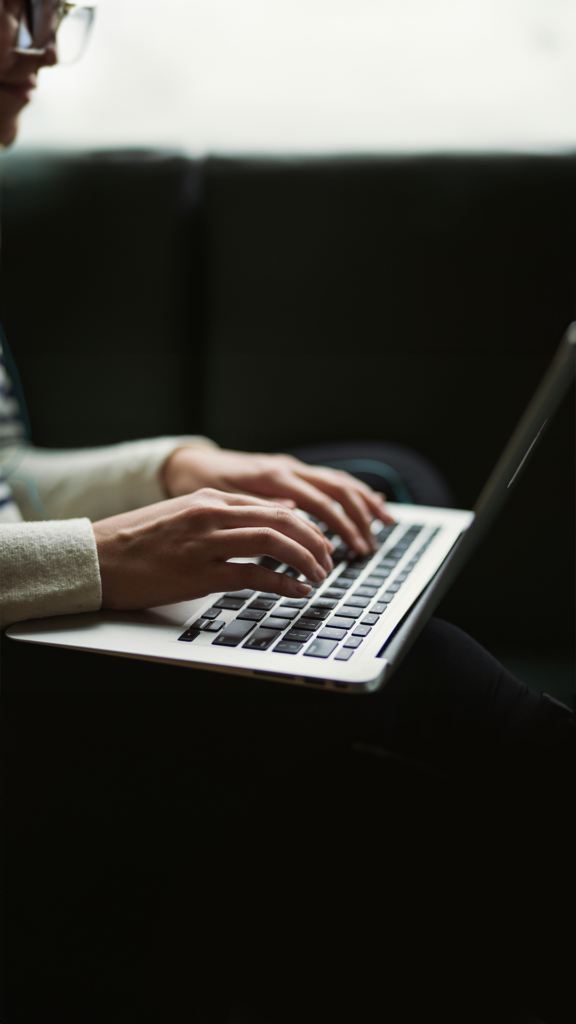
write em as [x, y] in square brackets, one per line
[354, 629]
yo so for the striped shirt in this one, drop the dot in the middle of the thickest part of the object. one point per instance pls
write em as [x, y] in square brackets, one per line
[13, 436]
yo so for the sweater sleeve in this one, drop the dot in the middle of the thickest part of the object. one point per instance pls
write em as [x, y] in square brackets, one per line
[48, 568]
[93, 482]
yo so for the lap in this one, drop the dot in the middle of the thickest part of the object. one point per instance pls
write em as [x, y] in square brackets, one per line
[134, 818]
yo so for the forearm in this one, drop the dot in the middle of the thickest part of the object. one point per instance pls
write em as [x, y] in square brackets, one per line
[93, 482]
[48, 569]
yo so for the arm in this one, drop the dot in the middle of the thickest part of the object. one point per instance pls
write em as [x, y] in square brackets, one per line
[93, 482]
[172, 551]
[48, 569]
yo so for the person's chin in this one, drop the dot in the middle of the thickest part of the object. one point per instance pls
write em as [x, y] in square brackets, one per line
[8, 131]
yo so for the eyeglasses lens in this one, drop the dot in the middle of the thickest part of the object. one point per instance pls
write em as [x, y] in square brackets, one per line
[44, 21]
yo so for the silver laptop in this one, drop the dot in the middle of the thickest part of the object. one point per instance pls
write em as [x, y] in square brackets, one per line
[354, 629]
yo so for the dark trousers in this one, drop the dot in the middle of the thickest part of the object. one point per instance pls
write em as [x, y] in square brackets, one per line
[179, 843]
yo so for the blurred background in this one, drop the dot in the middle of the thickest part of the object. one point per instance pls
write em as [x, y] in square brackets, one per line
[360, 211]
[316, 77]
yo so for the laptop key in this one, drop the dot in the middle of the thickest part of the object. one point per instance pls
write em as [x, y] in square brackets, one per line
[310, 624]
[344, 654]
[386, 597]
[212, 613]
[329, 633]
[362, 630]
[340, 622]
[214, 625]
[341, 583]
[325, 602]
[295, 602]
[349, 611]
[208, 625]
[244, 594]
[275, 622]
[353, 641]
[367, 591]
[317, 613]
[301, 635]
[233, 633]
[288, 647]
[261, 639]
[254, 614]
[263, 606]
[358, 602]
[286, 613]
[232, 603]
[320, 649]
[373, 581]
[377, 609]
[369, 620]
[393, 588]
[265, 596]
[333, 592]
[380, 573]
[189, 635]
[269, 563]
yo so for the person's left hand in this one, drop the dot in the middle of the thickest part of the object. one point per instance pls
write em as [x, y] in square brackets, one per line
[345, 504]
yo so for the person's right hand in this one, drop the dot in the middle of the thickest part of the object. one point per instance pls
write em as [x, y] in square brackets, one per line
[178, 550]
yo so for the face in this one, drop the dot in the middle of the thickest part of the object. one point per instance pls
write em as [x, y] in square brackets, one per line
[18, 71]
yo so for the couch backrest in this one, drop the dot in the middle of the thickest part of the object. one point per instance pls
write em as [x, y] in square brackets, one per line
[269, 303]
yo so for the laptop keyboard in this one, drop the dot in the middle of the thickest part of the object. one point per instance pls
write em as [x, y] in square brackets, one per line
[329, 624]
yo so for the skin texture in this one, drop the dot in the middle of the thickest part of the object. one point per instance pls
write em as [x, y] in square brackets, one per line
[223, 504]
[18, 71]
[178, 549]
[341, 501]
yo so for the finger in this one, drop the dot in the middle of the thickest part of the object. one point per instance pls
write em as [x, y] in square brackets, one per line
[274, 508]
[250, 575]
[353, 504]
[348, 489]
[375, 501]
[319, 504]
[249, 543]
[283, 521]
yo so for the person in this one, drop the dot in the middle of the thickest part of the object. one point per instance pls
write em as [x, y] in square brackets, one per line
[264, 846]
[73, 558]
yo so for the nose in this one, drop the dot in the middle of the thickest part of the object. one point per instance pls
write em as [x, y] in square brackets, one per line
[46, 58]
[50, 56]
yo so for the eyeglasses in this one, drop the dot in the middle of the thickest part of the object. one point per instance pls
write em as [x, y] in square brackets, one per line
[40, 20]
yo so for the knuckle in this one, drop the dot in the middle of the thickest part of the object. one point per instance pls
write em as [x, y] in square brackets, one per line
[283, 515]
[264, 535]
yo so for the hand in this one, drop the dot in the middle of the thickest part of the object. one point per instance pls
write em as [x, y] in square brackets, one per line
[178, 550]
[345, 504]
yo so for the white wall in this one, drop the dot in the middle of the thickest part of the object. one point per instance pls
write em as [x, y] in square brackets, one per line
[317, 76]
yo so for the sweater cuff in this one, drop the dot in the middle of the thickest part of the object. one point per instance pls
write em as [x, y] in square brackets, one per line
[48, 568]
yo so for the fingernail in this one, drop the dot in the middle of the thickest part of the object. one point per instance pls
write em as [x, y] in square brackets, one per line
[361, 543]
[303, 588]
[321, 573]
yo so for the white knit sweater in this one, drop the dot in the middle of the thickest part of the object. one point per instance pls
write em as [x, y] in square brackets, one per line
[51, 567]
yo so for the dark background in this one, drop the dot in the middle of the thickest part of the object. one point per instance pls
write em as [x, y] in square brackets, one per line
[269, 303]
[266, 304]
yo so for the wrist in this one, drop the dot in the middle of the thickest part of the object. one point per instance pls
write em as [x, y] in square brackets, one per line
[177, 474]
